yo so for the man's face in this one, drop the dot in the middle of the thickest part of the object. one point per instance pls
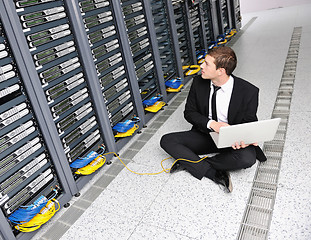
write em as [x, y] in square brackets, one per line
[208, 68]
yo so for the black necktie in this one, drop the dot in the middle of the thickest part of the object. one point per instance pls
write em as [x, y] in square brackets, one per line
[214, 113]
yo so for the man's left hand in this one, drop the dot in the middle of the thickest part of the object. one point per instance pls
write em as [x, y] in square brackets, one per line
[242, 145]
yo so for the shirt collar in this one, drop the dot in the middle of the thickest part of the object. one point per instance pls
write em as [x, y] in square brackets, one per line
[228, 86]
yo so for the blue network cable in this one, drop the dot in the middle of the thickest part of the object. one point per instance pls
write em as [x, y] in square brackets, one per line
[173, 83]
[82, 162]
[26, 213]
[151, 101]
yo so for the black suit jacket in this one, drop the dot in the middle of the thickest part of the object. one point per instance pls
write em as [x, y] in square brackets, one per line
[242, 107]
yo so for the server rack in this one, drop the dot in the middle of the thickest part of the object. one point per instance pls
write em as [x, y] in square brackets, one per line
[235, 14]
[184, 32]
[113, 62]
[166, 33]
[27, 168]
[209, 24]
[196, 15]
[143, 44]
[224, 16]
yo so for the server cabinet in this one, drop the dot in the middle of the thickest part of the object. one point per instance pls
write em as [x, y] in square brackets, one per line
[208, 22]
[196, 15]
[184, 32]
[215, 16]
[166, 33]
[235, 14]
[104, 26]
[224, 16]
[27, 166]
[143, 43]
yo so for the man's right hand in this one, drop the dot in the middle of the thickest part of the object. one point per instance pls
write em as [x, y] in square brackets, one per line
[217, 125]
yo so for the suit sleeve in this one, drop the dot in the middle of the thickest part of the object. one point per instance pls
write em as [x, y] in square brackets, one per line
[251, 107]
[192, 112]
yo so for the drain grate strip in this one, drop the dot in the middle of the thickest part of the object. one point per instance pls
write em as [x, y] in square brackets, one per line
[258, 213]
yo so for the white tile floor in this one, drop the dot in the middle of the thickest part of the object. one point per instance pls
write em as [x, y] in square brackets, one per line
[177, 206]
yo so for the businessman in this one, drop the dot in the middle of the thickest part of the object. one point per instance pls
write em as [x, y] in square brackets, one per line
[216, 99]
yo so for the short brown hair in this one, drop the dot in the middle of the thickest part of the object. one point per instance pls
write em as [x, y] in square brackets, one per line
[224, 58]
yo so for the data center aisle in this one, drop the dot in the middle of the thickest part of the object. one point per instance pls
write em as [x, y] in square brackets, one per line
[177, 206]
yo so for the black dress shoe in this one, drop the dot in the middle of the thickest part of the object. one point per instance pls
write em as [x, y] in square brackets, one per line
[223, 178]
[175, 167]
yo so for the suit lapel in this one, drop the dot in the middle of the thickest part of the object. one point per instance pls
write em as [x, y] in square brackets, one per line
[207, 93]
[235, 101]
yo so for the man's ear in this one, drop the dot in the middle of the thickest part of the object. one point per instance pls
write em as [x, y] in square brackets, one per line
[221, 71]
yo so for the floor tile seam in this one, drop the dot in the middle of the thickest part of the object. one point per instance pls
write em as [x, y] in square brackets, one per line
[282, 186]
[66, 224]
[165, 229]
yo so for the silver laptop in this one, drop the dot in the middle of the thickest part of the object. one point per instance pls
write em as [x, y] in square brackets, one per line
[253, 132]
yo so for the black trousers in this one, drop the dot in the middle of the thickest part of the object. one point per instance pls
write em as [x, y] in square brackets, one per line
[190, 144]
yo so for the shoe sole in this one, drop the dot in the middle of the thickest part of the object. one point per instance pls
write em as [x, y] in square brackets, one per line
[230, 187]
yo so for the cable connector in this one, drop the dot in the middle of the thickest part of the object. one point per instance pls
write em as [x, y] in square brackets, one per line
[81, 162]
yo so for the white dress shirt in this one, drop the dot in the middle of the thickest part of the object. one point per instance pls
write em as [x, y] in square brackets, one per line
[222, 101]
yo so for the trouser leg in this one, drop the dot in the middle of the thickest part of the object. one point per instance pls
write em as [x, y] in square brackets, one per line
[229, 159]
[189, 145]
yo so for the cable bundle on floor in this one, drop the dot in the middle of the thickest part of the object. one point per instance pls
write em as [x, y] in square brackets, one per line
[127, 128]
[46, 213]
[174, 85]
[201, 55]
[97, 163]
[89, 164]
[222, 39]
[153, 104]
[31, 217]
[191, 69]
[82, 162]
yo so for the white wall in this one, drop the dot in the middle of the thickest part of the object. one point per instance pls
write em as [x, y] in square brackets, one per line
[260, 5]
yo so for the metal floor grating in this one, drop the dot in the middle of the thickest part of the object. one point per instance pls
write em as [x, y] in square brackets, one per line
[258, 213]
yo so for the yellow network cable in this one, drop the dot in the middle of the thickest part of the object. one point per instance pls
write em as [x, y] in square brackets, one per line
[192, 69]
[222, 42]
[201, 60]
[92, 166]
[128, 133]
[42, 217]
[155, 107]
[167, 170]
[174, 89]
[231, 33]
